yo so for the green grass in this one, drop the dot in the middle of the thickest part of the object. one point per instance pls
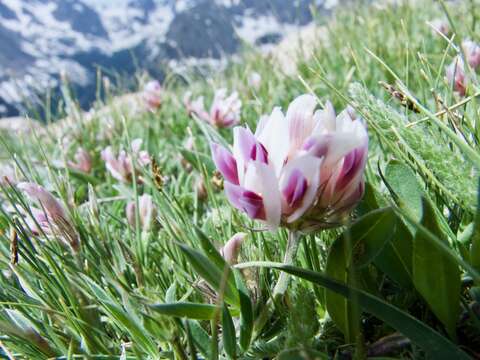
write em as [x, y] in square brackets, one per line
[408, 261]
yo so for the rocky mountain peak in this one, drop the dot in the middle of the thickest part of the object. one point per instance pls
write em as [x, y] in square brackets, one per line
[42, 38]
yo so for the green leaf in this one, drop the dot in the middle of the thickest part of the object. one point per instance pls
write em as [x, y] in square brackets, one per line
[186, 310]
[212, 274]
[170, 295]
[28, 335]
[229, 338]
[191, 342]
[395, 260]
[246, 312]
[198, 160]
[436, 276]
[475, 239]
[369, 201]
[340, 310]
[356, 248]
[369, 235]
[201, 338]
[122, 317]
[434, 344]
[403, 182]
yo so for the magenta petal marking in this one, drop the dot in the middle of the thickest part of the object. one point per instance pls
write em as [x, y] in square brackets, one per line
[233, 193]
[295, 189]
[246, 141]
[353, 163]
[252, 204]
[354, 197]
[245, 200]
[225, 163]
[216, 116]
[259, 153]
[349, 161]
[317, 147]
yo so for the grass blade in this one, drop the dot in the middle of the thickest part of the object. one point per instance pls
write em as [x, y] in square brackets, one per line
[434, 344]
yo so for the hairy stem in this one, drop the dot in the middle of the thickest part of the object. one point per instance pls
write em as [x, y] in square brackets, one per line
[282, 283]
[290, 253]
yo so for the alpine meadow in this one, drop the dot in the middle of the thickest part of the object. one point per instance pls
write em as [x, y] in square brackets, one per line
[328, 209]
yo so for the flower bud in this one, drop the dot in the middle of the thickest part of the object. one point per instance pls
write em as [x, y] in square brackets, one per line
[231, 249]
[146, 211]
[472, 53]
[200, 188]
[455, 75]
[52, 218]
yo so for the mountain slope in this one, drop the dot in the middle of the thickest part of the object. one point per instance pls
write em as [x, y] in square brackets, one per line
[45, 38]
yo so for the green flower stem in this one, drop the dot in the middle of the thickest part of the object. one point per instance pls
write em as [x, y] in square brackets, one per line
[282, 283]
[290, 253]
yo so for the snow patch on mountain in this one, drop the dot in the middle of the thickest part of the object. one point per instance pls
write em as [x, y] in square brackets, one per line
[42, 38]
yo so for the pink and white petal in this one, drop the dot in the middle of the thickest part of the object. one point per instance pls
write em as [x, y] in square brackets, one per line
[37, 221]
[107, 154]
[328, 181]
[300, 119]
[120, 170]
[36, 192]
[136, 145]
[146, 210]
[295, 189]
[261, 179]
[123, 164]
[243, 142]
[339, 145]
[225, 163]
[349, 113]
[262, 122]
[309, 166]
[130, 213]
[353, 196]
[245, 200]
[275, 137]
[348, 123]
[343, 180]
[231, 249]
[354, 165]
[143, 158]
[116, 168]
[325, 119]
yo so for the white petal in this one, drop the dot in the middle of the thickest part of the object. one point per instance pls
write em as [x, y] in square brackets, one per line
[262, 122]
[341, 144]
[325, 119]
[238, 151]
[274, 136]
[260, 178]
[300, 119]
